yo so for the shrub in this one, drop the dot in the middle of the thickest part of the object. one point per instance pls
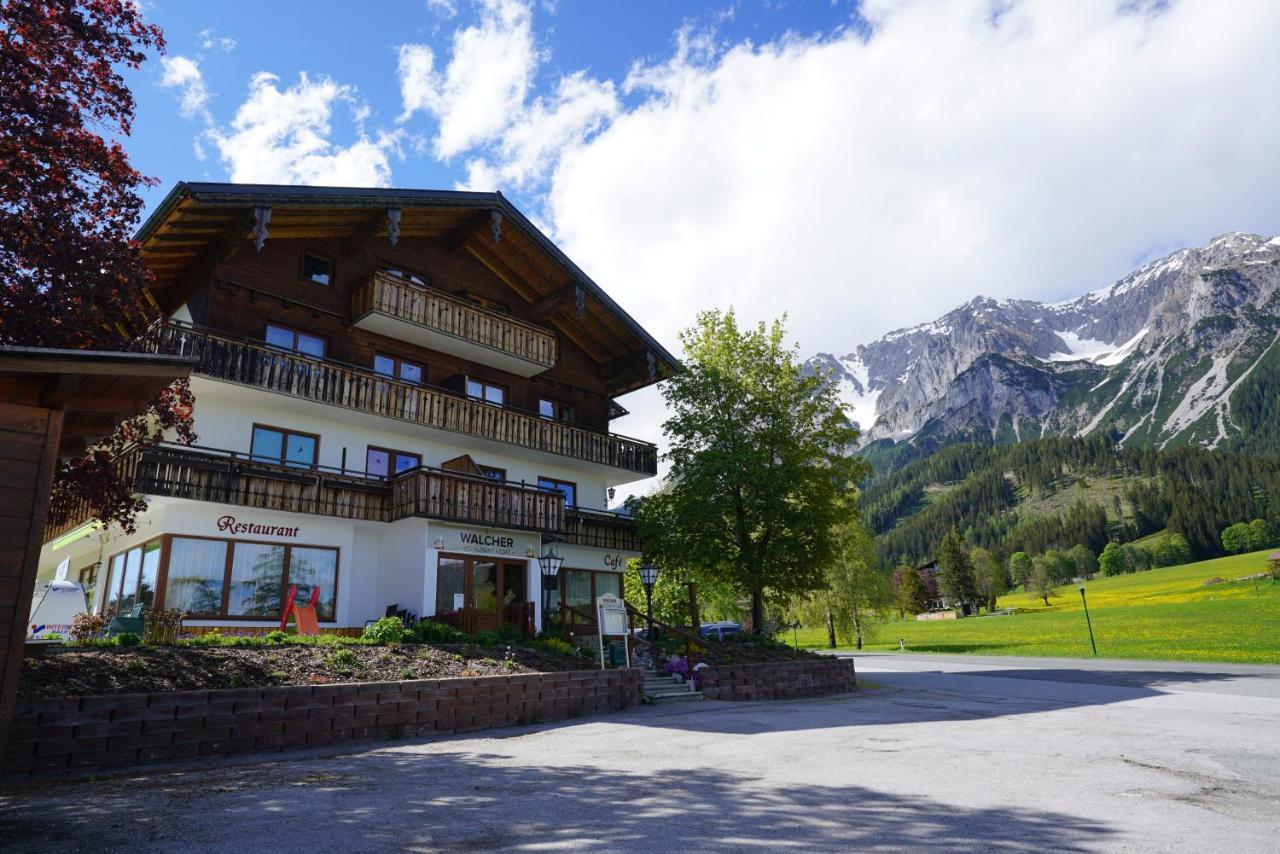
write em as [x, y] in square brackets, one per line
[487, 638]
[127, 639]
[87, 627]
[277, 636]
[386, 630]
[342, 660]
[557, 646]
[161, 627]
[510, 633]
[429, 631]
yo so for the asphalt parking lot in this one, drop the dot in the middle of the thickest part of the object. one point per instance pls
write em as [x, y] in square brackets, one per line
[961, 753]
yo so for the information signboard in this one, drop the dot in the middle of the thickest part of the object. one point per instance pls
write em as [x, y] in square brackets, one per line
[611, 620]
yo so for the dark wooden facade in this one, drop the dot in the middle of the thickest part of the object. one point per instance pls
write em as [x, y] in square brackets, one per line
[204, 474]
[251, 363]
[234, 255]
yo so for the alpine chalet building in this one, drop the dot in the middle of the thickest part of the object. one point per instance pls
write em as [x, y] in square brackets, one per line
[402, 399]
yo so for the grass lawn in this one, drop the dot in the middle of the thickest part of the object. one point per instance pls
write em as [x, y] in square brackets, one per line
[1162, 613]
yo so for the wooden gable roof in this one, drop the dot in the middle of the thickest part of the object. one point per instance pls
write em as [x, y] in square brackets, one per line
[199, 224]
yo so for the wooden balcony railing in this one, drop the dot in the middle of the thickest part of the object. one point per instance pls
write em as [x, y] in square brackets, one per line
[600, 530]
[447, 315]
[227, 477]
[477, 500]
[231, 359]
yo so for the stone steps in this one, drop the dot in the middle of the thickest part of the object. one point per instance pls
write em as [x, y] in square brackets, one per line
[666, 689]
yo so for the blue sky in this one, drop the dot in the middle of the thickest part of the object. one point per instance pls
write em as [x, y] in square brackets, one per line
[860, 167]
[232, 40]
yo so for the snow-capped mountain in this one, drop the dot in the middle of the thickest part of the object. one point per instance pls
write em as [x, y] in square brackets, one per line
[1154, 358]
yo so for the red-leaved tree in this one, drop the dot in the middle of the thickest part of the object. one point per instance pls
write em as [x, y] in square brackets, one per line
[70, 275]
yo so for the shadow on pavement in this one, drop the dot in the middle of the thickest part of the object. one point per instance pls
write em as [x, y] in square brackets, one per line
[395, 799]
[926, 696]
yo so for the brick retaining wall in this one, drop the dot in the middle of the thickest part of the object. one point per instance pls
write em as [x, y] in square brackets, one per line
[781, 680]
[125, 729]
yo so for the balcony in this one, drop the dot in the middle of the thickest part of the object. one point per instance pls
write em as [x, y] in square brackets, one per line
[228, 477]
[253, 364]
[391, 306]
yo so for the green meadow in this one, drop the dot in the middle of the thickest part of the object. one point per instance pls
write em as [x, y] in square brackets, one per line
[1162, 614]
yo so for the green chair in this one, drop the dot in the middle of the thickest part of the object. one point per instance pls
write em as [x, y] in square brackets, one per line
[130, 623]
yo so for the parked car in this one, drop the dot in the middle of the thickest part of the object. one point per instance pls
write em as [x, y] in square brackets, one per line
[721, 630]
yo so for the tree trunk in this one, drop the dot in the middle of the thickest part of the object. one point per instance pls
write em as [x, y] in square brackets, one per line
[757, 611]
[831, 629]
[857, 630]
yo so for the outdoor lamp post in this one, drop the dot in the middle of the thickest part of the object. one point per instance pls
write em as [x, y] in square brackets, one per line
[649, 577]
[550, 564]
[1087, 621]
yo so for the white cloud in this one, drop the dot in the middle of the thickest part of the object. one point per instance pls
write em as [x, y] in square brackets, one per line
[210, 40]
[862, 183]
[486, 82]
[531, 146]
[182, 75]
[445, 9]
[880, 175]
[282, 136]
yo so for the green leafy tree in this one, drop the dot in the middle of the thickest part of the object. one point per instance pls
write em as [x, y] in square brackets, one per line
[1020, 568]
[670, 595]
[1112, 560]
[1059, 565]
[988, 577]
[955, 569]
[913, 595]
[1085, 562]
[1261, 535]
[1138, 558]
[759, 464]
[1235, 538]
[1042, 583]
[856, 591]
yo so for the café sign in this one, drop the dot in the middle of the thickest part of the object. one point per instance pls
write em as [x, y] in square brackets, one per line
[484, 541]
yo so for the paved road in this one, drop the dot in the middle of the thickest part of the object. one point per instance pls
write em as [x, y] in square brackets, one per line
[959, 753]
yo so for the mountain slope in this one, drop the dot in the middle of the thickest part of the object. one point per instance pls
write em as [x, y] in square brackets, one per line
[1160, 358]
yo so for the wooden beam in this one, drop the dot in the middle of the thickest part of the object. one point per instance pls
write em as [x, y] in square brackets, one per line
[500, 269]
[471, 228]
[58, 390]
[593, 348]
[365, 233]
[548, 304]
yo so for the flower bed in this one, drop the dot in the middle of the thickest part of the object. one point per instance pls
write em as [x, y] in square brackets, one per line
[80, 671]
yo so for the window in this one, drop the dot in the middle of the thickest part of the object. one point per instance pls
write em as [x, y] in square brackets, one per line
[384, 461]
[556, 410]
[131, 579]
[487, 392]
[257, 580]
[570, 490]
[195, 575]
[390, 366]
[285, 338]
[316, 269]
[493, 472]
[273, 445]
[579, 589]
[228, 578]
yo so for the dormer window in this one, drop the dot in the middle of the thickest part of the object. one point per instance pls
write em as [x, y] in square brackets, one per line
[316, 269]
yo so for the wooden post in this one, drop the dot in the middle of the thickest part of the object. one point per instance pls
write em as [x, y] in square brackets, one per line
[29, 437]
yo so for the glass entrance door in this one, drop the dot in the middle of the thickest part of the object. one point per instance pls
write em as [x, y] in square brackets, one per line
[478, 594]
[483, 595]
